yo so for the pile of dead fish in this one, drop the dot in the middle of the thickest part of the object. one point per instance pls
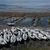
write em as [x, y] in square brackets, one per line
[18, 34]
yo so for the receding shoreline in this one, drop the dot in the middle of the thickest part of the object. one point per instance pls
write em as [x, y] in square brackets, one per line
[21, 14]
[25, 12]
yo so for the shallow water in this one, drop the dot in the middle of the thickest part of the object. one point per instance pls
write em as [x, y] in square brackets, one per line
[25, 21]
[12, 4]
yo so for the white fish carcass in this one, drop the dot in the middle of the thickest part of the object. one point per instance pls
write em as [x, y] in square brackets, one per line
[2, 41]
[31, 34]
[19, 37]
[13, 39]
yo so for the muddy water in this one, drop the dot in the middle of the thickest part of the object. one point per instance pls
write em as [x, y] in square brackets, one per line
[26, 21]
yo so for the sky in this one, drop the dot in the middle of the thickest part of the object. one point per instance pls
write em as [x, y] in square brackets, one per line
[27, 3]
